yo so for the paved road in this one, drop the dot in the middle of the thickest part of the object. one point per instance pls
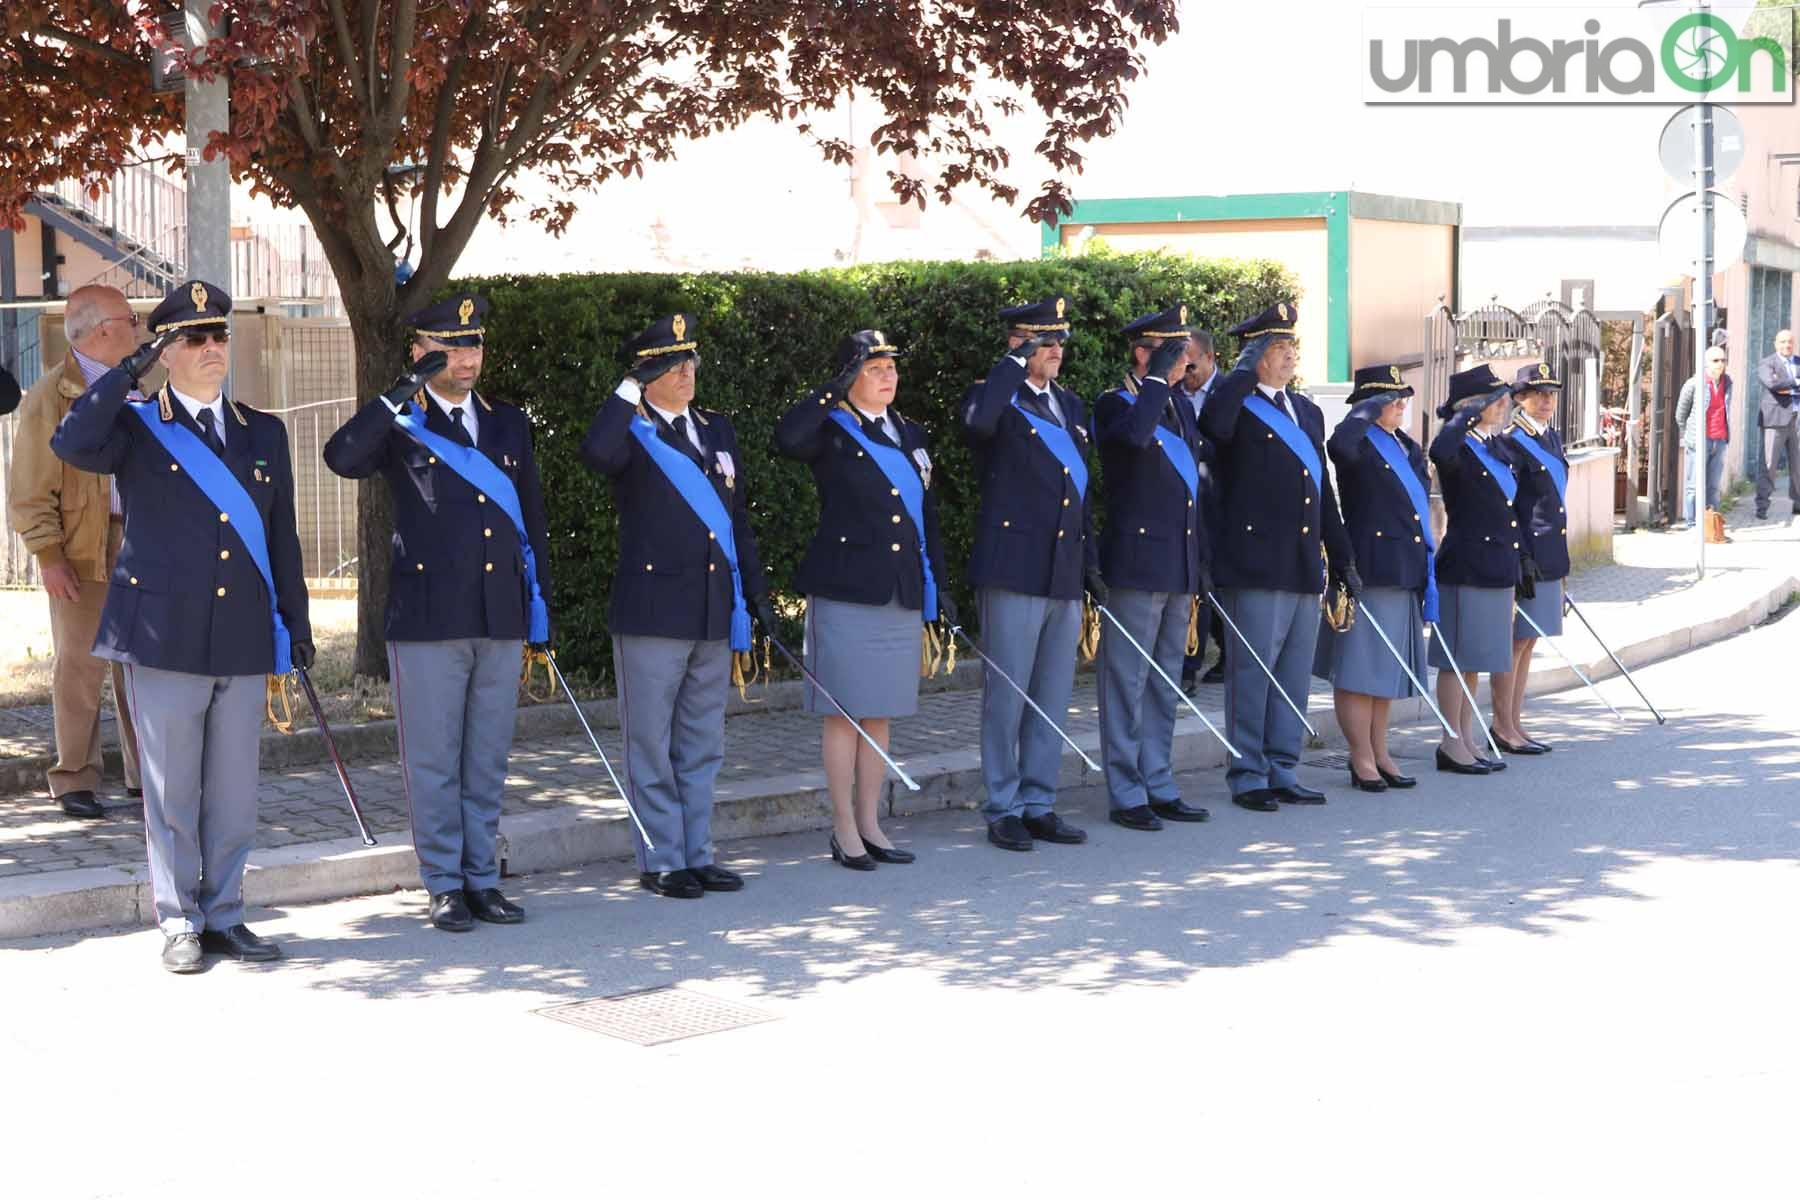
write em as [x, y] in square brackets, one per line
[1576, 978]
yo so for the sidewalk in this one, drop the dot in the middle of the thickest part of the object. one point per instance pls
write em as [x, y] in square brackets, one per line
[58, 875]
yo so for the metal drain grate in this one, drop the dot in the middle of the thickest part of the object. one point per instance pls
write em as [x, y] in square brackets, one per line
[1341, 759]
[656, 1015]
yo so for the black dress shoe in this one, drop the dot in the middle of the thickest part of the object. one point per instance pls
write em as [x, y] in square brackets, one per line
[677, 885]
[714, 878]
[182, 954]
[1139, 818]
[1377, 784]
[1257, 800]
[450, 912]
[1542, 747]
[1178, 810]
[487, 904]
[1052, 828]
[888, 854]
[1494, 765]
[81, 804]
[240, 944]
[1216, 674]
[1396, 781]
[1506, 747]
[1446, 763]
[856, 862]
[1009, 833]
[1298, 795]
[1190, 683]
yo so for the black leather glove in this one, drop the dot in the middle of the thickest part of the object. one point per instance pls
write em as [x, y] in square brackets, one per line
[764, 613]
[1528, 577]
[1253, 352]
[654, 367]
[1474, 403]
[838, 386]
[413, 378]
[1030, 346]
[1165, 356]
[947, 607]
[1368, 410]
[1351, 579]
[138, 363]
[300, 651]
[1095, 585]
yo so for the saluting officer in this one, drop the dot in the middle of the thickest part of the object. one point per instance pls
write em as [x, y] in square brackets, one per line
[1535, 452]
[1153, 556]
[688, 580]
[1276, 505]
[1033, 555]
[207, 598]
[1479, 563]
[874, 576]
[1385, 490]
[468, 582]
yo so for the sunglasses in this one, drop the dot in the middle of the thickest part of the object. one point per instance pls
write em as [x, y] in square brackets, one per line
[131, 320]
[194, 341]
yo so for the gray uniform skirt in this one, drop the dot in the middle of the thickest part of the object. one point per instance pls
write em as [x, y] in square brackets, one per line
[1478, 624]
[1545, 609]
[866, 655]
[1357, 661]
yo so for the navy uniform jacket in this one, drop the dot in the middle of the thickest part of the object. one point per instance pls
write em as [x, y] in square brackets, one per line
[457, 569]
[1481, 542]
[1385, 533]
[1272, 521]
[672, 580]
[1033, 531]
[1543, 517]
[1154, 539]
[185, 595]
[866, 550]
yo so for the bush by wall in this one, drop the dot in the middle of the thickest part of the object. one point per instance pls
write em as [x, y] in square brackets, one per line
[553, 348]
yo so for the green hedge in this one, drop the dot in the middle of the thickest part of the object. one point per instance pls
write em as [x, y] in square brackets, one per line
[766, 339]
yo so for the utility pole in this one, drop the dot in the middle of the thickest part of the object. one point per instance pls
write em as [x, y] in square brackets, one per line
[208, 183]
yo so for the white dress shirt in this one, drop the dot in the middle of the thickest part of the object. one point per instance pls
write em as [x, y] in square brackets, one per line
[195, 407]
[466, 407]
[1278, 397]
[880, 419]
[1049, 399]
[693, 434]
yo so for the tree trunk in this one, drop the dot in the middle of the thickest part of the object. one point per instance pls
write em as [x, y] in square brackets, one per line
[380, 347]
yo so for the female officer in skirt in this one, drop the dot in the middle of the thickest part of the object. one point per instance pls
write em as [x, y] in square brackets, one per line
[1478, 565]
[873, 576]
[1535, 452]
[1387, 516]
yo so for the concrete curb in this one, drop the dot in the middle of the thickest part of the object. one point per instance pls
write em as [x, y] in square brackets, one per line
[99, 897]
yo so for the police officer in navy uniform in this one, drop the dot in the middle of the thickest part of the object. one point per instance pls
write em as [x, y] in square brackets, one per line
[207, 483]
[1034, 554]
[1534, 450]
[459, 602]
[682, 598]
[1277, 509]
[1153, 556]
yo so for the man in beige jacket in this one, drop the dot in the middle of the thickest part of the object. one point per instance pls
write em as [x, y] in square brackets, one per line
[72, 523]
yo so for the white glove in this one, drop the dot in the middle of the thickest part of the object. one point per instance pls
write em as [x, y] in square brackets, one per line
[629, 390]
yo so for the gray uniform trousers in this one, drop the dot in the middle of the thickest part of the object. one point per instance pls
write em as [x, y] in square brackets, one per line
[1034, 639]
[198, 741]
[1774, 441]
[672, 697]
[454, 705]
[1137, 710]
[1284, 628]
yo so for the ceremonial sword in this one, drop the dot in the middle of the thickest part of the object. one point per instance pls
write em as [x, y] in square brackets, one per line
[844, 712]
[1157, 667]
[968, 641]
[1570, 601]
[1424, 695]
[604, 761]
[1486, 727]
[1578, 672]
[312, 697]
[1214, 601]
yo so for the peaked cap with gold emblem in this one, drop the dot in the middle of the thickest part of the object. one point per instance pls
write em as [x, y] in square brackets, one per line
[455, 321]
[1278, 320]
[1534, 377]
[194, 305]
[1383, 382]
[866, 343]
[1048, 316]
[1169, 323]
[669, 339]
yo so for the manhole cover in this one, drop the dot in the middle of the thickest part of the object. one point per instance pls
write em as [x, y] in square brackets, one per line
[656, 1015]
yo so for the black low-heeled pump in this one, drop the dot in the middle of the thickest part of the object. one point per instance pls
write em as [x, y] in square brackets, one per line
[1367, 785]
[856, 862]
[1446, 763]
[1526, 747]
[888, 854]
[1396, 781]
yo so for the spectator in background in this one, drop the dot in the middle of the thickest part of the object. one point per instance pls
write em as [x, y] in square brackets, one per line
[1196, 384]
[1717, 387]
[72, 522]
[1779, 415]
[9, 392]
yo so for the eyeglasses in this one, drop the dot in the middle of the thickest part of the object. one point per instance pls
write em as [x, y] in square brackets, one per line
[130, 319]
[194, 341]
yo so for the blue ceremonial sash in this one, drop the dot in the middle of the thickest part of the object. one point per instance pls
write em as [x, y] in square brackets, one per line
[220, 486]
[698, 491]
[1179, 454]
[1503, 475]
[479, 471]
[899, 471]
[1056, 439]
[1558, 472]
[1394, 455]
[1290, 433]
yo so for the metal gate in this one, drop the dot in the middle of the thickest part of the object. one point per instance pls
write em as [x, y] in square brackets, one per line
[1569, 340]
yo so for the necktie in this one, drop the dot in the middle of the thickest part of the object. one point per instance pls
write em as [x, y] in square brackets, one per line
[1044, 408]
[687, 443]
[1279, 400]
[209, 434]
[458, 430]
